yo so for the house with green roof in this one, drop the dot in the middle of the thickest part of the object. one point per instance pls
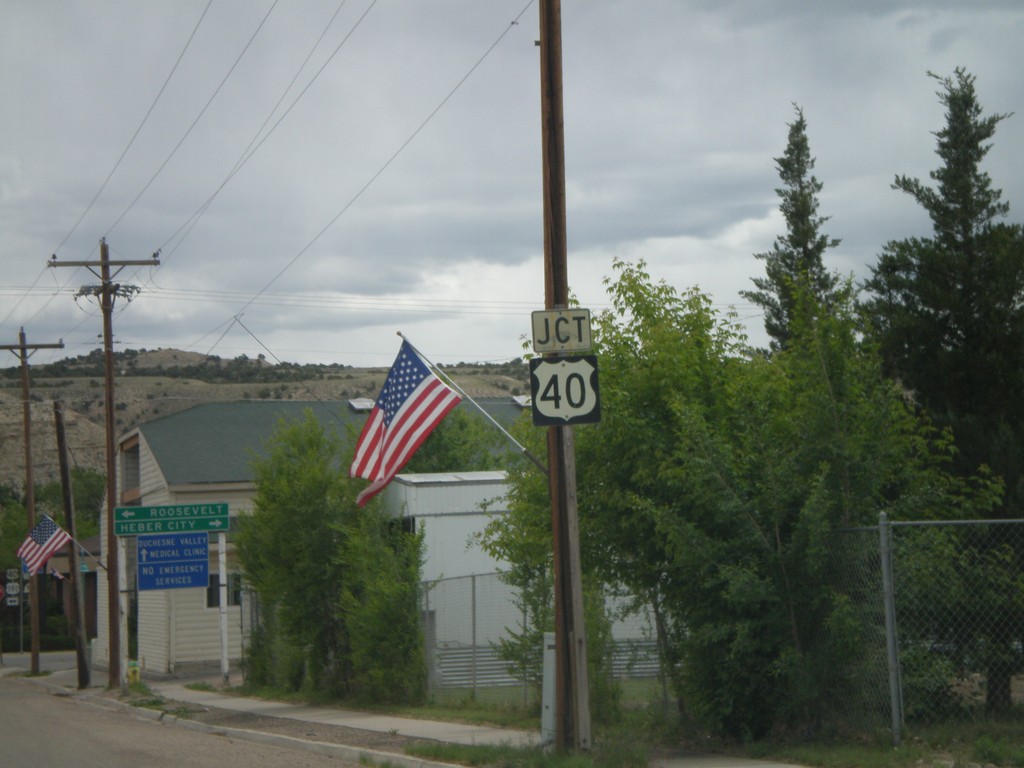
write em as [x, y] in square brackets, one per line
[202, 456]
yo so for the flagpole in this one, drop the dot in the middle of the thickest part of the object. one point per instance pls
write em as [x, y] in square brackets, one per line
[88, 554]
[490, 418]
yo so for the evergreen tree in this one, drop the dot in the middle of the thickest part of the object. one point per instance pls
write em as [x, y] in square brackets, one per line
[948, 312]
[794, 267]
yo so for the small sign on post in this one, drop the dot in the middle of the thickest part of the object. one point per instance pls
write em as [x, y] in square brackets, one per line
[561, 330]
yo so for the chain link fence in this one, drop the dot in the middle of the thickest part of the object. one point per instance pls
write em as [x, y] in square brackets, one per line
[464, 618]
[941, 616]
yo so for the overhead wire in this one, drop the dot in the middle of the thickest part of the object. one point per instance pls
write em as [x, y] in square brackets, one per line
[110, 175]
[138, 130]
[253, 145]
[181, 141]
[198, 117]
[388, 162]
[294, 374]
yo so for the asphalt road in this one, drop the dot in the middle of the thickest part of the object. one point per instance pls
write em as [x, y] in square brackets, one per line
[51, 661]
[41, 728]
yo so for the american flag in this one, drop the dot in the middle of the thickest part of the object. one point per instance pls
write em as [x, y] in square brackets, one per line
[411, 404]
[44, 540]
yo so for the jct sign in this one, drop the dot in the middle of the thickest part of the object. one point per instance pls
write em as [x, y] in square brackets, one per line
[561, 330]
[564, 390]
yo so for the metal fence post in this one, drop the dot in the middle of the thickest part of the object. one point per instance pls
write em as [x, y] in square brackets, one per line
[430, 642]
[472, 583]
[889, 597]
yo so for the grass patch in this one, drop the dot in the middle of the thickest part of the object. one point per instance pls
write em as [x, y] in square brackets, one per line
[141, 695]
[473, 713]
[613, 755]
[200, 686]
[992, 742]
[367, 760]
[1000, 751]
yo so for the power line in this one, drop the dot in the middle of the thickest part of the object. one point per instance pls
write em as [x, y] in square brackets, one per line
[196, 120]
[359, 302]
[387, 163]
[137, 130]
[117, 165]
[253, 145]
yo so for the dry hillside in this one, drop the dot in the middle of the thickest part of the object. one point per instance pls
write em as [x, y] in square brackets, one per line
[150, 384]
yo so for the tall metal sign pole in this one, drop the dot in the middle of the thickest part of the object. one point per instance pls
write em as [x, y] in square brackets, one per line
[572, 698]
[106, 292]
[22, 348]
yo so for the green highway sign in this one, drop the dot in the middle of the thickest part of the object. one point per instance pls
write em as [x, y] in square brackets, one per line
[170, 518]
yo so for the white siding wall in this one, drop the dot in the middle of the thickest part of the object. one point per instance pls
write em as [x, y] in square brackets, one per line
[449, 509]
[196, 628]
[450, 549]
[154, 632]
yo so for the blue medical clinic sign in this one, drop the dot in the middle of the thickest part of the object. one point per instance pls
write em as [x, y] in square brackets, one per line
[173, 560]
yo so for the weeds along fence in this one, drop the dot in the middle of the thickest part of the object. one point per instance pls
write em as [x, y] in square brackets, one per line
[463, 620]
[941, 615]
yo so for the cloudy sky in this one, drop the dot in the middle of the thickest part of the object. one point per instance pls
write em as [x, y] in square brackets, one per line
[319, 175]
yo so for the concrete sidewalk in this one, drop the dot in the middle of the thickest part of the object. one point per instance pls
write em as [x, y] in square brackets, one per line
[442, 731]
[451, 733]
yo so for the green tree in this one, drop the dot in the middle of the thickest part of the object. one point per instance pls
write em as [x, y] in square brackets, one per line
[794, 266]
[522, 539]
[948, 310]
[288, 546]
[380, 607]
[88, 489]
[336, 583]
[13, 525]
[716, 481]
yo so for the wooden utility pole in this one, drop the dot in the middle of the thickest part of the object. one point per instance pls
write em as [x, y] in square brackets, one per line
[74, 577]
[22, 348]
[106, 292]
[572, 697]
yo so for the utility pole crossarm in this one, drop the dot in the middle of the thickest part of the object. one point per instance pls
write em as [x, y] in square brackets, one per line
[153, 262]
[104, 263]
[33, 347]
